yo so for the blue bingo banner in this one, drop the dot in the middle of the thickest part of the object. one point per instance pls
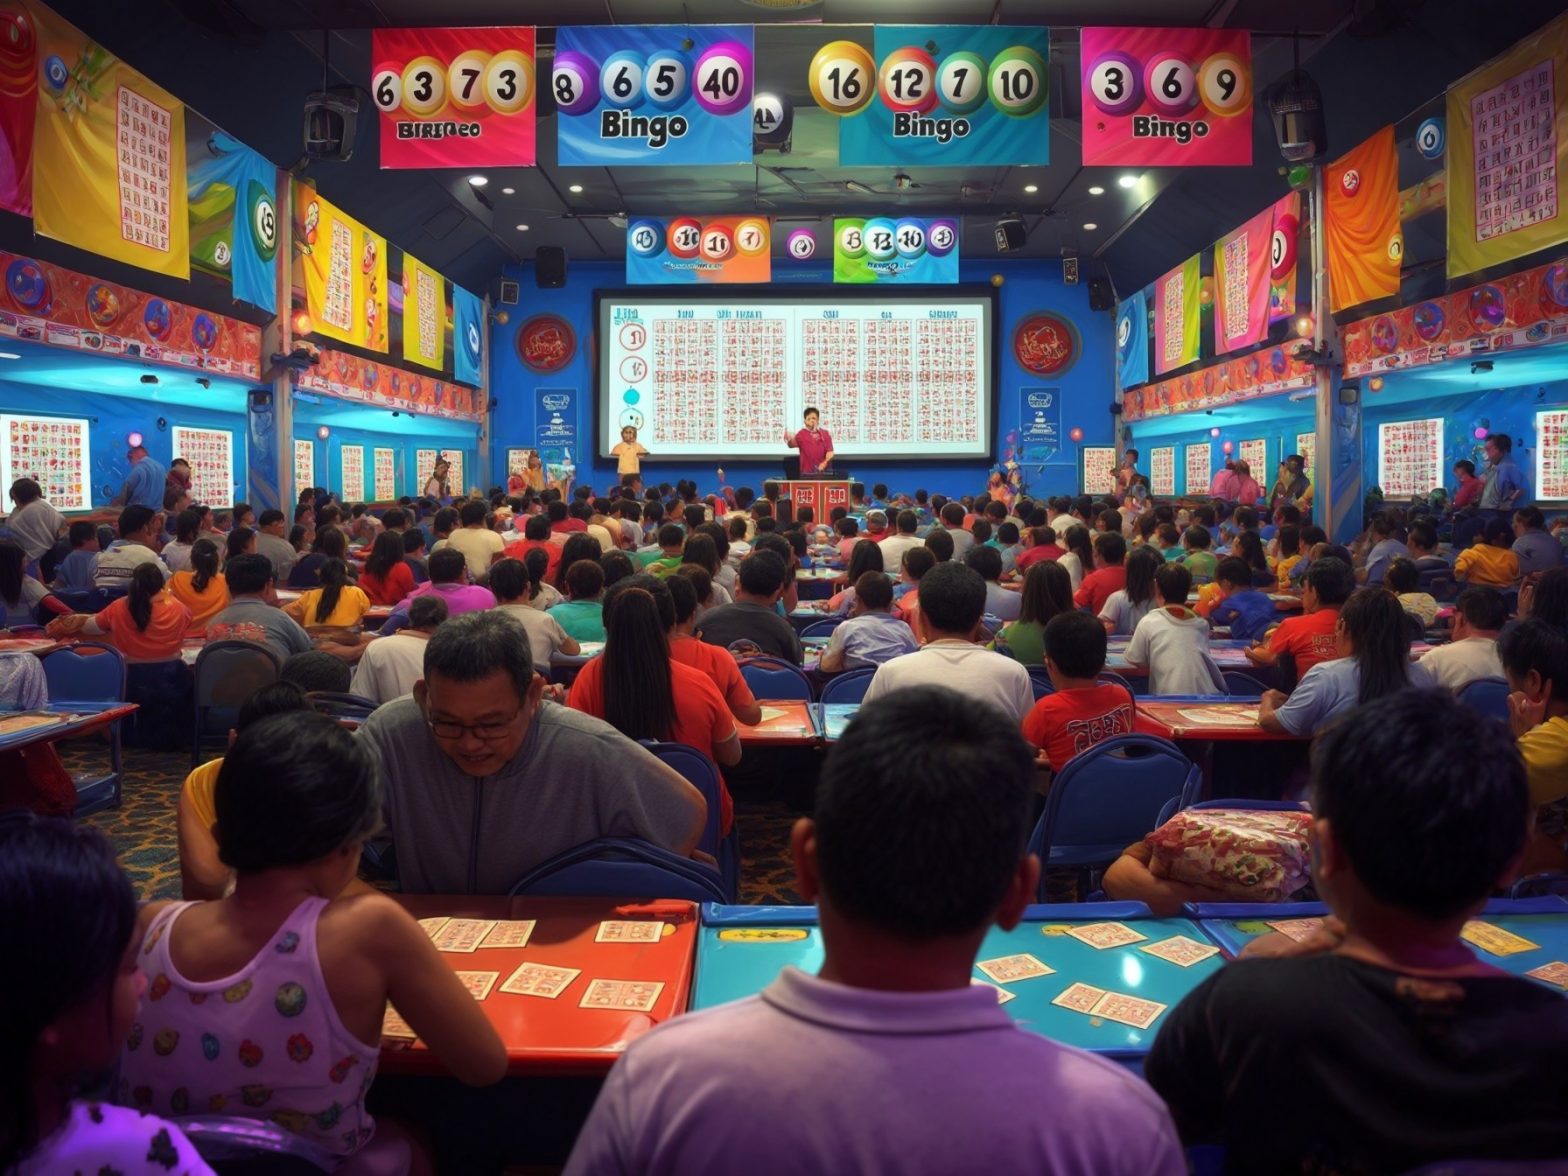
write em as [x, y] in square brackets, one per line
[238, 186]
[1132, 340]
[944, 95]
[468, 327]
[653, 94]
[882, 250]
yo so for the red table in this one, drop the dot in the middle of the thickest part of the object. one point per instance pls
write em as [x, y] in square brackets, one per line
[1179, 719]
[79, 719]
[36, 645]
[794, 725]
[556, 1037]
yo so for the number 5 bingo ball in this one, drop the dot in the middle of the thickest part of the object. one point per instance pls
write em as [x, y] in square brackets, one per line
[841, 78]
[1017, 81]
[575, 83]
[1116, 83]
[723, 78]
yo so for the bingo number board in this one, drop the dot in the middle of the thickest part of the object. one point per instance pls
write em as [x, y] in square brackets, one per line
[304, 465]
[386, 474]
[1551, 455]
[894, 376]
[1410, 457]
[1199, 465]
[353, 488]
[1162, 471]
[1099, 470]
[211, 454]
[53, 452]
[1256, 454]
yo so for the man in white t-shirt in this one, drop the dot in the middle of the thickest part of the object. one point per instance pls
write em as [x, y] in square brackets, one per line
[480, 546]
[1172, 642]
[952, 601]
[115, 563]
[390, 666]
[894, 546]
[953, 524]
[1479, 615]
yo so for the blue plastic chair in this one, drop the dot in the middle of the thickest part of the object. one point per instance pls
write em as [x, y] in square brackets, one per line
[1112, 678]
[776, 679]
[1240, 685]
[1255, 806]
[1040, 682]
[823, 628]
[850, 686]
[74, 676]
[1536, 885]
[354, 707]
[227, 674]
[622, 867]
[230, 1143]
[87, 600]
[1107, 798]
[701, 773]
[1487, 695]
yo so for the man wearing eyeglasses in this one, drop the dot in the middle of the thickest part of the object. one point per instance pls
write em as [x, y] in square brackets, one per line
[485, 781]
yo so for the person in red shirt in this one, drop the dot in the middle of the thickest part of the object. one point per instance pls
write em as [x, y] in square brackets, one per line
[636, 688]
[386, 578]
[1082, 712]
[561, 522]
[713, 660]
[1469, 490]
[1109, 575]
[1042, 547]
[536, 535]
[815, 445]
[1310, 638]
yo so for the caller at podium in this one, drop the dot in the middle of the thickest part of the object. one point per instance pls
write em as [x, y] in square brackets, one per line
[815, 445]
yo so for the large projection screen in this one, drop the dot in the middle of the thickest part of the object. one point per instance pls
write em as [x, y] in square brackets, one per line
[722, 375]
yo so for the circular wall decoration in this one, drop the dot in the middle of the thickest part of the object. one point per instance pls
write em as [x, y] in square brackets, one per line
[546, 343]
[1045, 344]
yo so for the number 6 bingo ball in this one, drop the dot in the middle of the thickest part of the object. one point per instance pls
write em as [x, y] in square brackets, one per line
[713, 63]
[581, 76]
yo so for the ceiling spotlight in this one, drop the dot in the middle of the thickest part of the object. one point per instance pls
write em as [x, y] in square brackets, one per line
[479, 181]
[575, 188]
[1090, 226]
[509, 191]
[1097, 191]
[522, 228]
[857, 187]
[1031, 188]
[1127, 181]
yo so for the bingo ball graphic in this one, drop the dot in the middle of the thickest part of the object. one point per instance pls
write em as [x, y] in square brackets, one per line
[1428, 320]
[801, 244]
[842, 78]
[1554, 288]
[55, 74]
[907, 81]
[1487, 308]
[941, 236]
[575, 83]
[960, 82]
[1017, 81]
[722, 78]
[25, 279]
[103, 304]
[1385, 335]
[620, 78]
[1116, 83]
[158, 319]
[204, 332]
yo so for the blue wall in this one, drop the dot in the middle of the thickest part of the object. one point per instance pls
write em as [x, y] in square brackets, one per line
[1277, 420]
[377, 428]
[1028, 286]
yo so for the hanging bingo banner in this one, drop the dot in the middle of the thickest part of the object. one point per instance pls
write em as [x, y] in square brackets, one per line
[44, 303]
[18, 108]
[468, 340]
[947, 95]
[234, 214]
[1132, 340]
[1255, 275]
[424, 314]
[1361, 234]
[1167, 97]
[687, 249]
[887, 249]
[1522, 310]
[348, 377]
[1176, 317]
[1266, 372]
[653, 94]
[342, 266]
[454, 97]
[108, 155]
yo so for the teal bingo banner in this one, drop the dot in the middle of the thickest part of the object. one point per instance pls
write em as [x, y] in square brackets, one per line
[653, 94]
[884, 249]
[946, 95]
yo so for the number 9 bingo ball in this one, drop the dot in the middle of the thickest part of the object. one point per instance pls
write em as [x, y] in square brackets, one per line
[837, 65]
[713, 75]
[575, 83]
[1225, 85]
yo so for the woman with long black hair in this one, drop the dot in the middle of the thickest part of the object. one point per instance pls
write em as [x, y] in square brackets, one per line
[202, 588]
[1078, 559]
[576, 547]
[337, 602]
[865, 556]
[387, 578]
[146, 624]
[1047, 591]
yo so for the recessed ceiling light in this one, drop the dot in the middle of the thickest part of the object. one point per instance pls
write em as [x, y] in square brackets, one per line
[479, 181]
[509, 191]
[522, 228]
[575, 188]
[1127, 181]
[9, 355]
[1097, 191]
[1031, 188]
[1090, 227]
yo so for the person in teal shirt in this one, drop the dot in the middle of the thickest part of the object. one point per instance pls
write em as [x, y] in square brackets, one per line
[582, 614]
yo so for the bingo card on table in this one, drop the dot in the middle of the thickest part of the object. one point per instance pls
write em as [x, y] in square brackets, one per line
[386, 474]
[1410, 457]
[1199, 468]
[1162, 471]
[1551, 455]
[353, 457]
[211, 454]
[53, 451]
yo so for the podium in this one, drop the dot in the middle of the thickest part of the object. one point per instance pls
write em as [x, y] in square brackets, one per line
[820, 494]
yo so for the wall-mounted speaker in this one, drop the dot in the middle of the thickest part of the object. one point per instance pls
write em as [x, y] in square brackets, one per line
[1010, 234]
[550, 267]
[1101, 296]
[510, 293]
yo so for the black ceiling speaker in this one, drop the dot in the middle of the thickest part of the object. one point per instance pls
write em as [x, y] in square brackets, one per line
[1010, 234]
[1101, 296]
[331, 116]
[550, 267]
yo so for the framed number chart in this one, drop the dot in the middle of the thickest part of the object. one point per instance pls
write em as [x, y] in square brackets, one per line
[53, 451]
[1162, 471]
[211, 454]
[386, 474]
[424, 466]
[304, 465]
[353, 459]
[1551, 455]
[1199, 460]
[1099, 469]
[1410, 457]
[1256, 454]
[1307, 447]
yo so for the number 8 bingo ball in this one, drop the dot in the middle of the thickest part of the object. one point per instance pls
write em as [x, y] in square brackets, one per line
[712, 63]
[583, 77]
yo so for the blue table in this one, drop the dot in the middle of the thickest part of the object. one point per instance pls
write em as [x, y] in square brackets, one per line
[1231, 926]
[741, 949]
[833, 717]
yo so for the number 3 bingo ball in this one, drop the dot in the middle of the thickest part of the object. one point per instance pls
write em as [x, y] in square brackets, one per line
[840, 78]
[509, 82]
[424, 86]
[723, 78]
[907, 81]
[575, 83]
[1017, 81]
[1116, 83]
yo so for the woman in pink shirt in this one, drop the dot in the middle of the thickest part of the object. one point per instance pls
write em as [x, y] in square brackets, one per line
[1247, 489]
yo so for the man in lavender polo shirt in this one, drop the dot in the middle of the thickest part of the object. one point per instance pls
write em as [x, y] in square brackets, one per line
[815, 445]
[890, 1059]
[449, 581]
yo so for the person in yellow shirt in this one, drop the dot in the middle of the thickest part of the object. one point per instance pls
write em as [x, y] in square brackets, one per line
[629, 453]
[337, 602]
[202, 874]
[1534, 654]
[1489, 562]
[1289, 542]
[202, 588]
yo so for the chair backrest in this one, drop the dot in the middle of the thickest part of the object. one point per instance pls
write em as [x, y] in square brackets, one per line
[342, 706]
[1040, 682]
[1110, 796]
[1534, 885]
[75, 675]
[823, 628]
[701, 773]
[775, 678]
[1487, 695]
[1112, 678]
[229, 672]
[231, 1143]
[1256, 806]
[849, 686]
[1240, 685]
[621, 867]
[86, 600]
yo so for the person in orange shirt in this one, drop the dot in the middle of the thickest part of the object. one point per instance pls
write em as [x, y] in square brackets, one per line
[146, 624]
[202, 588]
[717, 663]
[1489, 562]
[536, 534]
[1310, 638]
[635, 687]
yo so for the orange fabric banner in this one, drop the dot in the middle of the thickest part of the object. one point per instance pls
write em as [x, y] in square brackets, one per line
[1361, 223]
